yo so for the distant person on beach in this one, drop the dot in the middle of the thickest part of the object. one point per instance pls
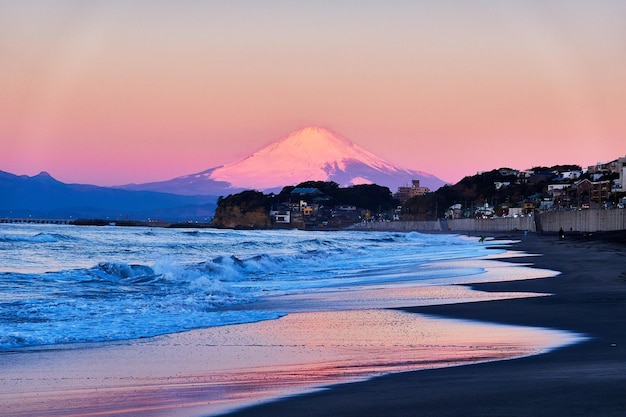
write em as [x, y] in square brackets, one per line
[561, 233]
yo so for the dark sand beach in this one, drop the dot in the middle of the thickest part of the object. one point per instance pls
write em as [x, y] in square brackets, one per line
[585, 379]
[212, 370]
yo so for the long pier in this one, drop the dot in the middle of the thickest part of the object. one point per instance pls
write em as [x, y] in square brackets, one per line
[33, 220]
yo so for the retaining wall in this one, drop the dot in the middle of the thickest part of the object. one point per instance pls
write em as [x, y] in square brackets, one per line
[504, 224]
[582, 220]
[401, 226]
[571, 221]
[501, 224]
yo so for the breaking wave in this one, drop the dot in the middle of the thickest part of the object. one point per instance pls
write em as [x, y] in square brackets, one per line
[163, 281]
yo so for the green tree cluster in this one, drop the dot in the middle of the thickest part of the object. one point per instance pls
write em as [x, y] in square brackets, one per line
[366, 196]
[473, 191]
[250, 209]
[247, 209]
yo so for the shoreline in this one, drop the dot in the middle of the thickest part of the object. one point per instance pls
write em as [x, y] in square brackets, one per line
[176, 374]
[584, 379]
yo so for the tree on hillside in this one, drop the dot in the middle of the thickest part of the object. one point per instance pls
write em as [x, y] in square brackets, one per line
[327, 187]
[368, 196]
[430, 206]
[475, 190]
[245, 200]
[245, 209]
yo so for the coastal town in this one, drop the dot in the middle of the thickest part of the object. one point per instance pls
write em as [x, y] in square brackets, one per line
[498, 194]
[542, 199]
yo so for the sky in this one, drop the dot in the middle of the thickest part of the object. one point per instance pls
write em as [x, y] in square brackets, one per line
[116, 92]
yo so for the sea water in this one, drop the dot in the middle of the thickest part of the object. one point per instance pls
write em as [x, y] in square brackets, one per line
[65, 284]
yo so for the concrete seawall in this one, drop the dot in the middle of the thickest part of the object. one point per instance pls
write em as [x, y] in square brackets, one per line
[582, 221]
[503, 224]
[456, 225]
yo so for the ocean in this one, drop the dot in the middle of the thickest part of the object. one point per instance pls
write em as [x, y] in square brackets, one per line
[64, 284]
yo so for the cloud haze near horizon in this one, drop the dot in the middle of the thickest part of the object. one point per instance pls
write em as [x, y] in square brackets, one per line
[114, 92]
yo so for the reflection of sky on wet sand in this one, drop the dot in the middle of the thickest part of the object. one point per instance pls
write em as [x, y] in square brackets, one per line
[209, 370]
[337, 336]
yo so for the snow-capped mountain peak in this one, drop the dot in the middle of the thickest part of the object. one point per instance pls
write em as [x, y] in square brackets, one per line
[311, 153]
[308, 154]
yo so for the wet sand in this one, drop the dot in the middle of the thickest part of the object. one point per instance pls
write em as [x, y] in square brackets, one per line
[366, 333]
[216, 369]
[584, 379]
[213, 370]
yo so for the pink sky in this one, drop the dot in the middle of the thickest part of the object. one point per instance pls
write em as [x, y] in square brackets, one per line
[115, 92]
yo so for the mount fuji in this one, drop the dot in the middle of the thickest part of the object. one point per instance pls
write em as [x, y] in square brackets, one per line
[311, 153]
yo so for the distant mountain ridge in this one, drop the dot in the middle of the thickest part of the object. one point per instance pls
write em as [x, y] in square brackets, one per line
[43, 196]
[308, 154]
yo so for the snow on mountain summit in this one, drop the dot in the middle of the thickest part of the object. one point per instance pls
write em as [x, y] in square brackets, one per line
[308, 154]
[311, 153]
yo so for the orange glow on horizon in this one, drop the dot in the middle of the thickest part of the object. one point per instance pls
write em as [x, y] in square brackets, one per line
[518, 85]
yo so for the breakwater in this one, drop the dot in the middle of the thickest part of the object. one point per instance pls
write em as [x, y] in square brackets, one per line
[34, 220]
[582, 221]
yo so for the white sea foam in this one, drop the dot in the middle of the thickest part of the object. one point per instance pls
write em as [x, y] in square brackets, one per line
[68, 284]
